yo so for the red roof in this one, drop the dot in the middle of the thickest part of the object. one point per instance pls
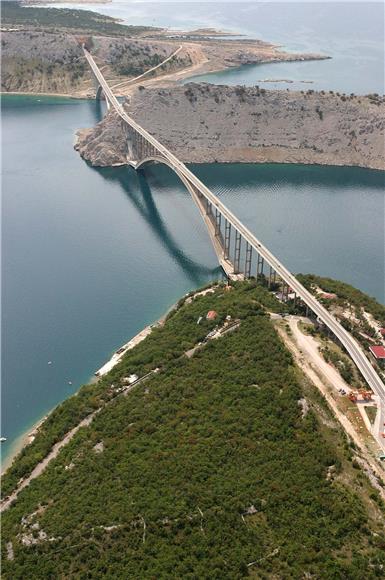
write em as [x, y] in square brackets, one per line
[378, 351]
[211, 315]
[382, 331]
[328, 295]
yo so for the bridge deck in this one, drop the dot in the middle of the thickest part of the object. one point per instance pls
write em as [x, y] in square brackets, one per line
[350, 344]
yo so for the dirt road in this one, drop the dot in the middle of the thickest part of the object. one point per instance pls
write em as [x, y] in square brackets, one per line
[304, 349]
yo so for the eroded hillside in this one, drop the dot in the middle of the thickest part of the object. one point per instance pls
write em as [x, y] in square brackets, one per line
[208, 123]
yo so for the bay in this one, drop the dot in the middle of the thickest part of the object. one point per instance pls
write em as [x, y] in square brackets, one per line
[350, 32]
[91, 256]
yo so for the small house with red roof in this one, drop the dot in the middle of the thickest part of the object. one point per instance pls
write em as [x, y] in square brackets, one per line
[211, 315]
[378, 352]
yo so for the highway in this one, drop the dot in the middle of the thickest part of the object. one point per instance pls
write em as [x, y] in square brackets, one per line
[351, 345]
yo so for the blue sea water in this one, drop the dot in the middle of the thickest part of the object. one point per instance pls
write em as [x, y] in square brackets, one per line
[91, 256]
[350, 32]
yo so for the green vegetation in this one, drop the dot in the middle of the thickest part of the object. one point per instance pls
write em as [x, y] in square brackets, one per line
[371, 413]
[346, 295]
[20, 73]
[14, 13]
[353, 309]
[341, 362]
[209, 469]
[125, 66]
[162, 346]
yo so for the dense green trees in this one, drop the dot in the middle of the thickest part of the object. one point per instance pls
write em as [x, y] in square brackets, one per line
[346, 293]
[209, 469]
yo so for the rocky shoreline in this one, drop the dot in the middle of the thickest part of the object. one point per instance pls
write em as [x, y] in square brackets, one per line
[35, 60]
[203, 123]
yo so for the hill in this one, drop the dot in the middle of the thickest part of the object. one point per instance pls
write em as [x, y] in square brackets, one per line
[222, 462]
[203, 123]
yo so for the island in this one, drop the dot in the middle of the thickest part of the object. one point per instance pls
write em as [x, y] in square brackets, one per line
[204, 123]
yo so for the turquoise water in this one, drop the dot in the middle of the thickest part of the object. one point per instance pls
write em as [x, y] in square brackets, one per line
[91, 256]
[352, 33]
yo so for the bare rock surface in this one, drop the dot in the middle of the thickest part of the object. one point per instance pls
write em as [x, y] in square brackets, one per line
[205, 123]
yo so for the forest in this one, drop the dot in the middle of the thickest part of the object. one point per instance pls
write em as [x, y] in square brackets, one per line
[211, 468]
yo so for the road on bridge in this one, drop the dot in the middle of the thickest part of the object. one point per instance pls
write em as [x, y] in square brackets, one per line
[350, 344]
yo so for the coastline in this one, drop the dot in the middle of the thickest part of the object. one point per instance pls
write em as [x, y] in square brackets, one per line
[27, 436]
[31, 94]
[22, 441]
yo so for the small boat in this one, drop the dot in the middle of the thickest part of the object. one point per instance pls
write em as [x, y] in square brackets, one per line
[70, 382]
[2, 439]
[49, 362]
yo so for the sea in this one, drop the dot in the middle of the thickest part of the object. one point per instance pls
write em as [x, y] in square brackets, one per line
[91, 256]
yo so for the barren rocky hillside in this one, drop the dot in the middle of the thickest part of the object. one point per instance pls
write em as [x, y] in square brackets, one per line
[53, 62]
[208, 123]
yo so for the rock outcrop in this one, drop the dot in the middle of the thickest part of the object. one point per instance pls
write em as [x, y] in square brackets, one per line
[208, 123]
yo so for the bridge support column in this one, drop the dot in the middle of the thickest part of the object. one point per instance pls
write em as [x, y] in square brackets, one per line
[208, 207]
[270, 276]
[218, 221]
[260, 263]
[237, 252]
[98, 90]
[227, 239]
[249, 253]
[285, 291]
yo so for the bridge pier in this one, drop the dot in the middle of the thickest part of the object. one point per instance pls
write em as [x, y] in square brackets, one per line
[227, 239]
[99, 93]
[218, 221]
[237, 251]
[199, 192]
[260, 264]
[248, 260]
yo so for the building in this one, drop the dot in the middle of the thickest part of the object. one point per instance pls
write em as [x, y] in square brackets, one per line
[211, 315]
[328, 295]
[379, 354]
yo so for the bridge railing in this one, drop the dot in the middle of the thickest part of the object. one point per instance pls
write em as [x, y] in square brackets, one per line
[242, 233]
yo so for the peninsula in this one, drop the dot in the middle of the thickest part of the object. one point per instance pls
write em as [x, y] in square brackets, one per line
[47, 58]
[204, 123]
[213, 449]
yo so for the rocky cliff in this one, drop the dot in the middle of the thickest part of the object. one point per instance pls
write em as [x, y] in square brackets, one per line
[209, 123]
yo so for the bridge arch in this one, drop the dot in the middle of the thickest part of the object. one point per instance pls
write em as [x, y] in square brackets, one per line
[164, 161]
[215, 235]
[99, 93]
[208, 203]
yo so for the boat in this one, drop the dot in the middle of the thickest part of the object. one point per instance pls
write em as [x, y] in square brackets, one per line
[2, 439]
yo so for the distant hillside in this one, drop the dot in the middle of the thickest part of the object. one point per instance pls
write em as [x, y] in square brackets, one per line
[225, 463]
[53, 62]
[209, 123]
[14, 13]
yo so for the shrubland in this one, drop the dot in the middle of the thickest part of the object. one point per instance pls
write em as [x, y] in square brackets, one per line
[211, 468]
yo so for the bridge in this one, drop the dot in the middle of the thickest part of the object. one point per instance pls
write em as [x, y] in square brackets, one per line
[235, 246]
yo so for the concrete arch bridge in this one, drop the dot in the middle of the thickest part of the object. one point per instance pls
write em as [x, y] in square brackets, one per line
[240, 253]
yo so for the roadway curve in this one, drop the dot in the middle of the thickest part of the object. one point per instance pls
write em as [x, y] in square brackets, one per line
[350, 344]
